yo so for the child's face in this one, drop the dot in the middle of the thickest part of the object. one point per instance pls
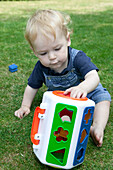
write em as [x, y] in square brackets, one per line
[52, 53]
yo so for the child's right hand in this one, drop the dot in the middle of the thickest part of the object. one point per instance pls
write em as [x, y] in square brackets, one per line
[23, 111]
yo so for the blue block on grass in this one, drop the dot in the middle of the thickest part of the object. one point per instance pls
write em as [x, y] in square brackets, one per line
[13, 68]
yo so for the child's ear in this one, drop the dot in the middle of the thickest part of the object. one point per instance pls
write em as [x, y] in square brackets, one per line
[68, 39]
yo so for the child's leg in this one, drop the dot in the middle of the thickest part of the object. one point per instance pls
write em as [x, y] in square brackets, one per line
[100, 118]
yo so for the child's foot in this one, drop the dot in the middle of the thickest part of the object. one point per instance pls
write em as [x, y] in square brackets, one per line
[97, 135]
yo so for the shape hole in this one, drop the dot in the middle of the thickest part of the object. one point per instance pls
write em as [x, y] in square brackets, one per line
[87, 116]
[59, 155]
[61, 134]
[80, 154]
[66, 115]
[83, 135]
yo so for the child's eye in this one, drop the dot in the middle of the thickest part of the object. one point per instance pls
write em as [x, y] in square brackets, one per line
[57, 49]
[43, 53]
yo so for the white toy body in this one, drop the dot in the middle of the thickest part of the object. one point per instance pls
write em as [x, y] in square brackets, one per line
[63, 130]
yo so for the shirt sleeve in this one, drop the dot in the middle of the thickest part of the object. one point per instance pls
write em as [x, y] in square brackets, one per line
[36, 78]
[83, 63]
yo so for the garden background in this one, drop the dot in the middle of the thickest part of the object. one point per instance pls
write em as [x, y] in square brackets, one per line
[92, 22]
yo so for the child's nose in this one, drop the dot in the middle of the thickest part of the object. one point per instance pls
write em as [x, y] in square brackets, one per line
[51, 56]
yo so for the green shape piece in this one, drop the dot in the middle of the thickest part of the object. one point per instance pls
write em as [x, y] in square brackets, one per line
[53, 156]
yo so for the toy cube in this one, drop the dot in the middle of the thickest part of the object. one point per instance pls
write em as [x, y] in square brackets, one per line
[13, 68]
[60, 129]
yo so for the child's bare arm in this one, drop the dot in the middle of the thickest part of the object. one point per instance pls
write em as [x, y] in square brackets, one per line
[89, 84]
[28, 97]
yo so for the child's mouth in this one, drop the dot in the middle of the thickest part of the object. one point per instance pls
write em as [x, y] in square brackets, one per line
[53, 63]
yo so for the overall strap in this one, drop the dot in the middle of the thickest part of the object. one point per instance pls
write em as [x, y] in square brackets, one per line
[73, 52]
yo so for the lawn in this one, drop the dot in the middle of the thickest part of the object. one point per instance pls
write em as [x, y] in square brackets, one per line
[92, 22]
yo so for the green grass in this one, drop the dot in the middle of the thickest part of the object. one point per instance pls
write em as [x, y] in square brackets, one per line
[93, 33]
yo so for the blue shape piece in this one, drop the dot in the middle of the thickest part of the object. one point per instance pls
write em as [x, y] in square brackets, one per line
[13, 68]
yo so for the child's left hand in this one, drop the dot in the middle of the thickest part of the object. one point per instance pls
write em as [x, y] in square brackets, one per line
[76, 92]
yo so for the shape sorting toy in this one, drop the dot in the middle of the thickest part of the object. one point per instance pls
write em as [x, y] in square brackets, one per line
[60, 129]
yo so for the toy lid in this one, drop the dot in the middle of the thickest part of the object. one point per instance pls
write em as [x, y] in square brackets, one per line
[61, 94]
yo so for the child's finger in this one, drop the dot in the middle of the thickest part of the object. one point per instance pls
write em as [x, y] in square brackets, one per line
[84, 95]
[67, 91]
[15, 113]
[73, 94]
[26, 113]
[19, 114]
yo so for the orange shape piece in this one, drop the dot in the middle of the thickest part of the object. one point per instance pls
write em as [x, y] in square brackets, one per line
[87, 116]
[83, 135]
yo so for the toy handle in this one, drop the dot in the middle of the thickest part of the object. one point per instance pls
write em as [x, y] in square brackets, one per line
[38, 114]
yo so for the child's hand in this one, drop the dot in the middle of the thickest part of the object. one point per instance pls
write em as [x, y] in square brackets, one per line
[76, 92]
[23, 111]
[89, 84]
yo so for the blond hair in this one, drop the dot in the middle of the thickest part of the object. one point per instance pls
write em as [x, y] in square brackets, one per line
[46, 21]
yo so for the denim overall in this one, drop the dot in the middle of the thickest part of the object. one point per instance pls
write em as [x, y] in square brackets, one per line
[63, 82]
[74, 78]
